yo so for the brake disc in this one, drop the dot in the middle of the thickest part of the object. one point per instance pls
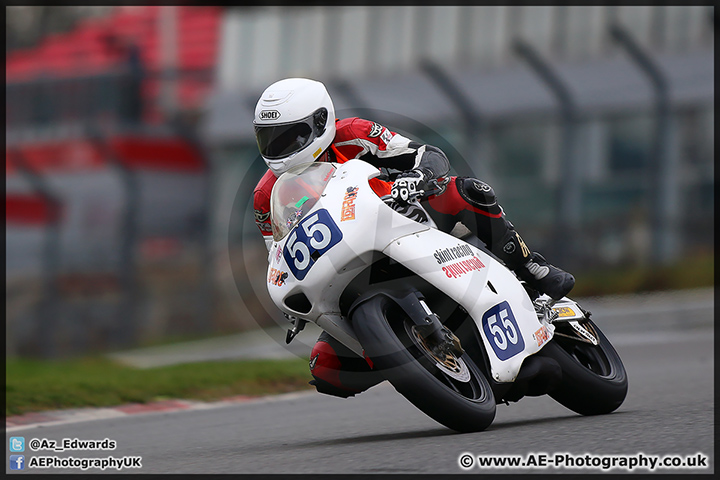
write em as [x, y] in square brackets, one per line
[444, 359]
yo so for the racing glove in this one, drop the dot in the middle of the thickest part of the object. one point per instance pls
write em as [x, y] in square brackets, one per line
[407, 186]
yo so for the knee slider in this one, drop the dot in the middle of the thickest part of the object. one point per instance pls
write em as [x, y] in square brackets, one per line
[476, 192]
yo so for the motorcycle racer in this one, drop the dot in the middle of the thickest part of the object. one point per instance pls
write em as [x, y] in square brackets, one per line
[295, 124]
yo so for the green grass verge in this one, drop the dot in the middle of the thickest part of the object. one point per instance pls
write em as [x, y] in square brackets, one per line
[692, 272]
[36, 385]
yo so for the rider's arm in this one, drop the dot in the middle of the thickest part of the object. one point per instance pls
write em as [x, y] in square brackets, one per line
[261, 207]
[381, 147]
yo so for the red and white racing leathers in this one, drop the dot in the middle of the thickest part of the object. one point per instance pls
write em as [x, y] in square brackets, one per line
[369, 141]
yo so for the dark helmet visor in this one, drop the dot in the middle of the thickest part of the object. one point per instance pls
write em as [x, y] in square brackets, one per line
[279, 141]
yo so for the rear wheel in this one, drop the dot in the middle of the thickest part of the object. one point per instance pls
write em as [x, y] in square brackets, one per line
[450, 389]
[594, 380]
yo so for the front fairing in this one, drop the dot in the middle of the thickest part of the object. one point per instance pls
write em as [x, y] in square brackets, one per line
[331, 242]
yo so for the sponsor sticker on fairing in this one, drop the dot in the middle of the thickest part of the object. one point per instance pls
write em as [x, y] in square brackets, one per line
[541, 335]
[347, 211]
[444, 255]
[458, 269]
[277, 277]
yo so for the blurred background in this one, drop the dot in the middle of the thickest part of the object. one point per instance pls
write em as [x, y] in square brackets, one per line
[130, 155]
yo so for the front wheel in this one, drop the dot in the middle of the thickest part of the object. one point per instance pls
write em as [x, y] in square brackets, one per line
[594, 380]
[452, 390]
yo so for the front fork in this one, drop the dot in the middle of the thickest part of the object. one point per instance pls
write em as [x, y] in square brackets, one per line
[298, 325]
[440, 339]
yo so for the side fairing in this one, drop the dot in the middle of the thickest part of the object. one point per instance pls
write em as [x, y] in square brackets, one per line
[497, 302]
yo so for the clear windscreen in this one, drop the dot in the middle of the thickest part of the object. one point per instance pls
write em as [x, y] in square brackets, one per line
[295, 193]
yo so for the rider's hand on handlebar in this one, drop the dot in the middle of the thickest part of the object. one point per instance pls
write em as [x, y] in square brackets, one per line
[407, 186]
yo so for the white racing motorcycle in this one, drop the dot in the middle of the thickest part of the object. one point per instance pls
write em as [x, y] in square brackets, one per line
[447, 324]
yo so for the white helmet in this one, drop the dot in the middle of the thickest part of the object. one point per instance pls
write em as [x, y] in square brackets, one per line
[294, 123]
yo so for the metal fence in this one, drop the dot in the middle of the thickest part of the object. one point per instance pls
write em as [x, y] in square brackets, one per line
[105, 279]
[127, 260]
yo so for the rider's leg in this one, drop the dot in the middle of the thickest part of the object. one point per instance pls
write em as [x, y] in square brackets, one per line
[472, 201]
[338, 371]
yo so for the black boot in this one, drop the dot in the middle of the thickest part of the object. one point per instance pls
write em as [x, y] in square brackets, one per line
[532, 267]
[546, 278]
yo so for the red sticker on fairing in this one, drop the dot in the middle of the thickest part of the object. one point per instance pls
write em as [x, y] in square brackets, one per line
[458, 269]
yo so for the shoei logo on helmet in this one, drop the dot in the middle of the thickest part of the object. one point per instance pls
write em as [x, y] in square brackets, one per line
[269, 115]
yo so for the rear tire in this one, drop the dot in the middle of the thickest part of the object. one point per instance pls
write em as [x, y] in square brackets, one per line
[455, 393]
[594, 380]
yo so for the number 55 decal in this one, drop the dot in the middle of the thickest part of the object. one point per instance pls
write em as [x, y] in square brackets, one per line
[501, 330]
[312, 237]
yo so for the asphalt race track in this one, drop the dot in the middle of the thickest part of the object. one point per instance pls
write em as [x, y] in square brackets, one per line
[667, 351]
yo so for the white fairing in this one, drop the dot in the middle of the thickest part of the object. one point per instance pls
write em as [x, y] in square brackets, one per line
[350, 222]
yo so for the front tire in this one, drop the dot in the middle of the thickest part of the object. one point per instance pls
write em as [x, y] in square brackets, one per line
[453, 392]
[594, 380]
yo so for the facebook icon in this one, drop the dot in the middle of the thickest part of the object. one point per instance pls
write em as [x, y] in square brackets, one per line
[17, 462]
